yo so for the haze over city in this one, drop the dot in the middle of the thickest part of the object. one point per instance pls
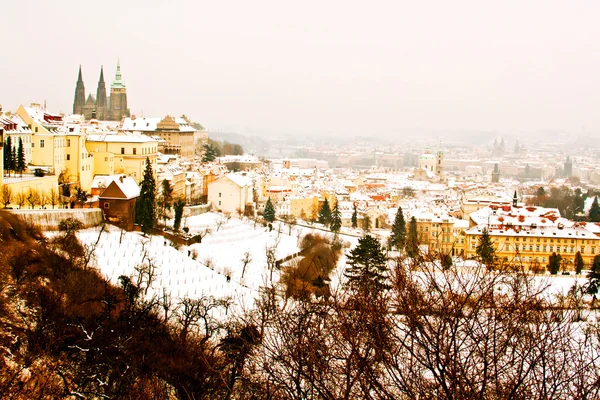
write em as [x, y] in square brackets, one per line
[267, 67]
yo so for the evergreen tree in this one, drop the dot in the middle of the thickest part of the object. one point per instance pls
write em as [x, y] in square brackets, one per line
[367, 271]
[20, 167]
[398, 236]
[325, 213]
[594, 277]
[166, 199]
[145, 214]
[355, 218]
[578, 263]
[269, 213]
[336, 219]
[594, 214]
[485, 249]
[178, 210]
[554, 263]
[412, 239]
[210, 153]
[8, 165]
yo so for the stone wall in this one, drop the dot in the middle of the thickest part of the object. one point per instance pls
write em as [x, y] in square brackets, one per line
[49, 219]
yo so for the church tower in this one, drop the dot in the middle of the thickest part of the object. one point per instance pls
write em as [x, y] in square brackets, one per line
[439, 162]
[101, 103]
[79, 103]
[118, 98]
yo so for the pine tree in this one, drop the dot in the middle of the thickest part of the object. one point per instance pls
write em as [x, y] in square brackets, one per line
[367, 271]
[8, 153]
[178, 210]
[20, 167]
[594, 214]
[166, 199]
[355, 218]
[336, 219]
[485, 249]
[578, 263]
[554, 263]
[210, 153]
[594, 277]
[325, 213]
[145, 207]
[412, 239]
[398, 236]
[269, 213]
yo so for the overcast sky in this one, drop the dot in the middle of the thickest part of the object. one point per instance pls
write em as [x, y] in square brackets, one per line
[336, 67]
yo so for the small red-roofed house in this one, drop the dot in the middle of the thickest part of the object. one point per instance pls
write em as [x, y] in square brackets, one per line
[117, 201]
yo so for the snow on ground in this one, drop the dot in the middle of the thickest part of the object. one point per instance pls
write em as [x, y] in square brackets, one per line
[219, 255]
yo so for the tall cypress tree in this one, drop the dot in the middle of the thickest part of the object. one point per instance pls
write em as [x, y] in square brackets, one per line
[398, 236]
[8, 152]
[412, 239]
[355, 218]
[336, 219]
[20, 157]
[325, 213]
[145, 207]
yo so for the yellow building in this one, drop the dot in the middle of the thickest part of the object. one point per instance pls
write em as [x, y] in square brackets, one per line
[129, 153]
[441, 233]
[56, 151]
[531, 246]
[177, 133]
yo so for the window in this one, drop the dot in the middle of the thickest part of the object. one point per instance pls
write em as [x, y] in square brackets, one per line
[219, 194]
[122, 150]
[105, 158]
[41, 141]
[36, 129]
[106, 205]
[219, 202]
[134, 150]
[82, 169]
[68, 157]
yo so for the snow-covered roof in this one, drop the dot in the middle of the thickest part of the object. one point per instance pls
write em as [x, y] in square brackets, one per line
[127, 184]
[239, 179]
[123, 137]
[150, 124]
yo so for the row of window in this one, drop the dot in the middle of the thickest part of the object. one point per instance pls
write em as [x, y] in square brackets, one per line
[145, 150]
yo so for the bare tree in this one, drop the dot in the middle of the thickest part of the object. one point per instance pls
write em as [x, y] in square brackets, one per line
[245, 261]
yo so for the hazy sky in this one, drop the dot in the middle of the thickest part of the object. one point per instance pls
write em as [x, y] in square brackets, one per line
[344, 67]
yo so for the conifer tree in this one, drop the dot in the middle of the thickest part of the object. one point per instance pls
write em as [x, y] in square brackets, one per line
[554, 263]
[367, 271]
[20, 167]
[336, 219]
[594, 214]
[8, 152]
[485, 249]
[145, 207]
[398, 236]
[325, 213]
[165, 199]
[269, 213]
[578, 263]
[412, 239]
[178, 210]
[210, 153]
[355, 218]
[594, 277]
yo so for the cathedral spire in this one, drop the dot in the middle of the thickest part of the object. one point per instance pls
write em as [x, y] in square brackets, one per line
[101, 74]
[79, 101]
[101, 100]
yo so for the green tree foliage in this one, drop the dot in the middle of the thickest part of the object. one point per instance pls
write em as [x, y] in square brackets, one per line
[8, 165]
[563, 198]
[554, 263]
[594, 277]
[269, 212]
[594, 214]
[412, 239]
[210, 153]
[485, 249]
[355, 217]
[178, 209]
[145, 206]
[336, 219]
[578, 263]
[398, 236]
[165, 200]
[325, 213]
[367, 270]
[20, 164]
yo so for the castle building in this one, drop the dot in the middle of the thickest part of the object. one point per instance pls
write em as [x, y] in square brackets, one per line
[102, 107]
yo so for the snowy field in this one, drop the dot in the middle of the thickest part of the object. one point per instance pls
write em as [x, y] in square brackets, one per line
[201, 269]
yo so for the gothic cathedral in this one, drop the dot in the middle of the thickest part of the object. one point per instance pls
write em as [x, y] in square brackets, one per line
[101, 107]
